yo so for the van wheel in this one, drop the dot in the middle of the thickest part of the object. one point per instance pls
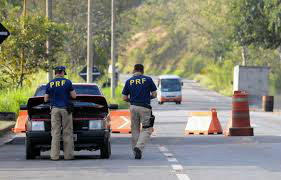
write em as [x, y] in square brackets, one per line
[105, 150]
[160, 102]
[178, 102]
[30, 151]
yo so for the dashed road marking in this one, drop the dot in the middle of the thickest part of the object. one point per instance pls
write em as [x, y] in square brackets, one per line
[172, 159]
[177, 167]
[163, 149]
[168, 154]
[183, 177]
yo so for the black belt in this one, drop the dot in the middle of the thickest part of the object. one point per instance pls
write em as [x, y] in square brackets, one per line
[64, 107]
[141, 105]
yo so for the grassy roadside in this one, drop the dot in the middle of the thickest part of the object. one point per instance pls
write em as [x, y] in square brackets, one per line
[11, 99]
[118, 100]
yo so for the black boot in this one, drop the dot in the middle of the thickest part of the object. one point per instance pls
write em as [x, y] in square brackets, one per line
[137, 153]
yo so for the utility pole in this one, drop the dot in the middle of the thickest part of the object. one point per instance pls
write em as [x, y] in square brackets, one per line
[244, 55]
[22, 50]
[24, 7]
[89, 46]
[48, 43]
[113, 79]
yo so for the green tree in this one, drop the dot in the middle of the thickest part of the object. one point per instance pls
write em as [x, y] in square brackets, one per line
[257, 22]
[24, 52]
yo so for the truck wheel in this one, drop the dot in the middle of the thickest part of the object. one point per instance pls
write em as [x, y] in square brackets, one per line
[160, 102]
[178, 102]
[105, 150]
[30, 152]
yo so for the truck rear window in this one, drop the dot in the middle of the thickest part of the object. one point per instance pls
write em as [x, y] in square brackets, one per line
[80, 89]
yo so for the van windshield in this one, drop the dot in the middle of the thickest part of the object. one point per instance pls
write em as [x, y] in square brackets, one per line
[170, 85]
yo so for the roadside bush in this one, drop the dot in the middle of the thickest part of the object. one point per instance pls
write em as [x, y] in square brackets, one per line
[10, 100]
[218, 77]
[118, 99]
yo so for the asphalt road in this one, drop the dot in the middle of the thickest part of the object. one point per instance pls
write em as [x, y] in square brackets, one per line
[170, 155]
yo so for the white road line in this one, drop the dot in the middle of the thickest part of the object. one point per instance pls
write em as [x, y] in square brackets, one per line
[183, 177]
[172, 159]
[163, 149]
[168, 154]
[177, 167]
[126, 122]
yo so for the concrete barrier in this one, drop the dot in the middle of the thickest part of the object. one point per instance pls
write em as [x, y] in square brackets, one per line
[8, 116]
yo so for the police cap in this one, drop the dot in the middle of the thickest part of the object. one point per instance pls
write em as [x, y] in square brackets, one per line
[60, 68]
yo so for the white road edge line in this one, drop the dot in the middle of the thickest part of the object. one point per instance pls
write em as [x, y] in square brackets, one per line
[126, 122]
[177, 167]
[183, 177]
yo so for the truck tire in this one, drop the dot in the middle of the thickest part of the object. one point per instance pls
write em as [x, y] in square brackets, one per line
[160, 102]
[30, 151]
[105, 150]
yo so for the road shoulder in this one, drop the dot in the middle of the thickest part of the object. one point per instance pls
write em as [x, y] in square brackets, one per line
[5, 133]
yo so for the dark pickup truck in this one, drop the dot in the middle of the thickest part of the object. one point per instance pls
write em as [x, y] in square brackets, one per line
[91, 122]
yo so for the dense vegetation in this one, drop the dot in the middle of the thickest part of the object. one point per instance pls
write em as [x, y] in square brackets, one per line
[24, 53]
[202, 40]
[23, 57]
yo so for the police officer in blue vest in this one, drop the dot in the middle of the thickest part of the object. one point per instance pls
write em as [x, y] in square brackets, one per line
[139, 90]
[59, 92]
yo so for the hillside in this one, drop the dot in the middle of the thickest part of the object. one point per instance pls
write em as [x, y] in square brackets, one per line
[193, 39]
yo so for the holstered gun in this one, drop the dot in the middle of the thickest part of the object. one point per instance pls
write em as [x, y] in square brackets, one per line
[151, 121]
[70, 107]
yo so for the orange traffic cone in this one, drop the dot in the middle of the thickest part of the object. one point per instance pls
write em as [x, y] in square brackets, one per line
[20, 126]
[239, 125]
[120, 121]
[203, 123]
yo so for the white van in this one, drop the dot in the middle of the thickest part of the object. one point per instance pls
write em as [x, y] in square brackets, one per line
[169, 89]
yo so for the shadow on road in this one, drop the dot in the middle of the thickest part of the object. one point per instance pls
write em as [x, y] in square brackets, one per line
[190, 140]
[208, 151]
